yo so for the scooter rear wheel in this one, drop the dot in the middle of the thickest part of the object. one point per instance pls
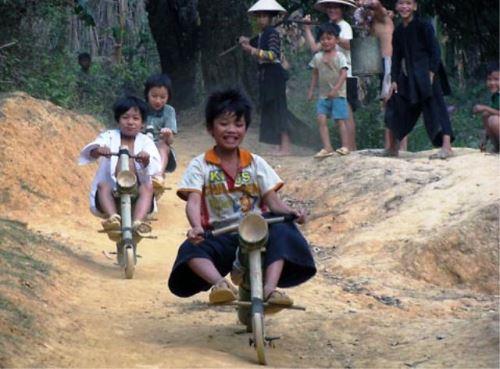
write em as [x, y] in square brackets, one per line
[129, 260]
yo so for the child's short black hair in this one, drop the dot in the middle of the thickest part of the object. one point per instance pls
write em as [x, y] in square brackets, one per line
[230, 99]
[124, 104]
[492, 67]
[330, 28]
[83, 56]
[158, 80]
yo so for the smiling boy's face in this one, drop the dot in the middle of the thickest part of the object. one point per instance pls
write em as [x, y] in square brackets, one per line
[328, 42]
[228, 131]
[406, 8]
[493, 82]
[130, 122]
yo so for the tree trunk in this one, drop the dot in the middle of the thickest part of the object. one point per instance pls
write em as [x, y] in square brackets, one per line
[174, 25]
[222, 22]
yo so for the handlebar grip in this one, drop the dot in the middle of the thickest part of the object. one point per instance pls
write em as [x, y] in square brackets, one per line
[119, 153]
[290, 218]
[207, 234]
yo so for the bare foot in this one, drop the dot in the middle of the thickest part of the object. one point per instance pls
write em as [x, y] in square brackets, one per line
[390, 153]
[442, 154]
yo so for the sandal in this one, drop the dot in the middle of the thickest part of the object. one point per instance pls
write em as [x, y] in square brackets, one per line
[142, 229]
[114, 236]
[277, 301]
[323, 154]
[222, 292]
[343, 151]
[158, 186]
[279, 298]
[113, 223]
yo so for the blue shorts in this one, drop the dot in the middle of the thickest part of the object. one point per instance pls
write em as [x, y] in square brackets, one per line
[335, 108]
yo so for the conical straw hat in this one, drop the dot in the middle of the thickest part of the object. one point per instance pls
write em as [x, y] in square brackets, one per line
[320, 4]
[267, 6]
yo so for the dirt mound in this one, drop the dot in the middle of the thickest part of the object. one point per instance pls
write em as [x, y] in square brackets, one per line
[463, 254]
[39, 146]
[433, 220]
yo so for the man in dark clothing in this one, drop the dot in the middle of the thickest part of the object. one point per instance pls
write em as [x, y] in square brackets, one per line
[419, 82]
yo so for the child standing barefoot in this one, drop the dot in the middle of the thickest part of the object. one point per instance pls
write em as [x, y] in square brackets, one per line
[161, 116]
[418, 82]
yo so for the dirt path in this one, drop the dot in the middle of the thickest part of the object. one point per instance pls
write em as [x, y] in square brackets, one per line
[380, 298]
[108, 321]
[112, 322]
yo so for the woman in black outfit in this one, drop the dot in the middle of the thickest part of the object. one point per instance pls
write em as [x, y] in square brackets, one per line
[266, 48]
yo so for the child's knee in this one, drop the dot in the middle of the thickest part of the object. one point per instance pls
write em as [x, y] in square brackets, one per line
[163, 146]
[321, 119]
[104, 187]
[146, 188]
[494, 121]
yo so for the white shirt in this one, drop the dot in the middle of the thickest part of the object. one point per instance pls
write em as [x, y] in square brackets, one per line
[345, 33]
[107, 166]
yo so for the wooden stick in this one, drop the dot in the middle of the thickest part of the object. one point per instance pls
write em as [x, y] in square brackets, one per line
[8, 44]
[248, 303]
[285, 21]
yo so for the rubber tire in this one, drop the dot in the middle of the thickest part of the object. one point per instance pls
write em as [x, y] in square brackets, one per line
[259, 338]
[129, 261]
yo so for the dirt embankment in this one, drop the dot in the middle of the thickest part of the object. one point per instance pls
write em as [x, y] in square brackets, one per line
[407, 253]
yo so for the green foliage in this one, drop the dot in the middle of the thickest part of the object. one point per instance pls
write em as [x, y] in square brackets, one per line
[82, 9]
[96, 92]
[42, 64]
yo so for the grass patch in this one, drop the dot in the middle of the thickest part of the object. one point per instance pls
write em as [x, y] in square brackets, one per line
[13, 314]
[17, 260]
[26, 187]
[24, 268]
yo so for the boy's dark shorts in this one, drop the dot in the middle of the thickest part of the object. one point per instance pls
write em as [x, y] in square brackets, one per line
[285, 242]
[172, 161]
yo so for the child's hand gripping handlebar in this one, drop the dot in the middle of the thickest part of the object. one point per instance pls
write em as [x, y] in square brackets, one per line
[141, 157]
[287, 218]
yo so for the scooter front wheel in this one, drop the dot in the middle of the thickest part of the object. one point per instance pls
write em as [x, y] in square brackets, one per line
[259, 337]
[129, 260]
